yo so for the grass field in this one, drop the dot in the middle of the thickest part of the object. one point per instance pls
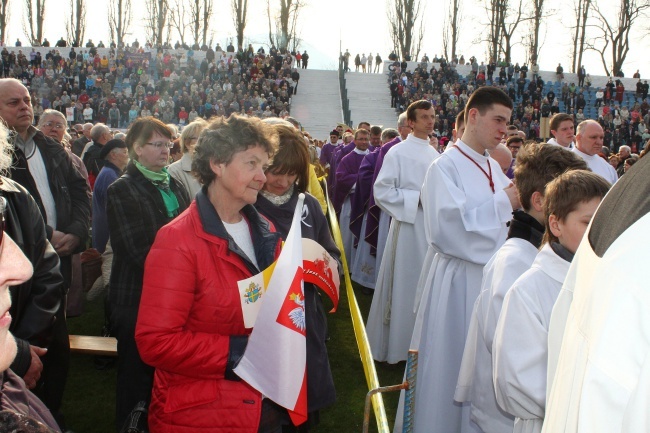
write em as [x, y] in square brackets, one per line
[89, 402]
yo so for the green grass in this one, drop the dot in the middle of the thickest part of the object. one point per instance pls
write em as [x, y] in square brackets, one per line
[89, 403]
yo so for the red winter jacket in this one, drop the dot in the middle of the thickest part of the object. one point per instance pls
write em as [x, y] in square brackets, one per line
[189, 310]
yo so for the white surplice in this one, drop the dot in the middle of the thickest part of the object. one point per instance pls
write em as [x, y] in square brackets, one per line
[363, 270]
[465, 226]
[520, 349]
[346, 235]
[475, 378]
[602, 341]
[599, 166]
[397, 192]
[382, 238]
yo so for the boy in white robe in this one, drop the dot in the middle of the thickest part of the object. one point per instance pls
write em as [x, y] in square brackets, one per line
[397, 192]
[467, 201]
[520, 349]
[537, 164]
[599, 335]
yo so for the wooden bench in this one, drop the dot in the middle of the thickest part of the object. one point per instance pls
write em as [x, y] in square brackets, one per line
[91, 345]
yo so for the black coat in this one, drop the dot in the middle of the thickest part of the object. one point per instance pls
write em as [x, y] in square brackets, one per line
[69, 189]
[35, 302]
[320, 384]
[136, 212]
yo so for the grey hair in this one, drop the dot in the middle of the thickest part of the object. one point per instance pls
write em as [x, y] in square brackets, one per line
[50, 112]
[98, 130]
[389, 134]
[401, 120]
[6, 149]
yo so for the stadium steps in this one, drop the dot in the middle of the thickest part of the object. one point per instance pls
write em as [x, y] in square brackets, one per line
[317, 105]
[369, 97]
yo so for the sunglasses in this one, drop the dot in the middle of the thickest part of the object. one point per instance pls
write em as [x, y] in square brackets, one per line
[3, 208]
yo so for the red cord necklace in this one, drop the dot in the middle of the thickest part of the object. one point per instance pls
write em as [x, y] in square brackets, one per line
[489, 176]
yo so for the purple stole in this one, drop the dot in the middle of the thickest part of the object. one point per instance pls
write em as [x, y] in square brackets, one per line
[372, 225]
[346, 176]
[362, 194]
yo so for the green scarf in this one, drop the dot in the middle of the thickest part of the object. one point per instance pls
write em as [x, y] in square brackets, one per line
[161, 181]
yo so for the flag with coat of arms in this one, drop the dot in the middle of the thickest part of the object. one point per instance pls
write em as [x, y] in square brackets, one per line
[274, 362]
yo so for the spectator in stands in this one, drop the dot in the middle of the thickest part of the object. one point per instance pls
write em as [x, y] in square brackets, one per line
[138, 206]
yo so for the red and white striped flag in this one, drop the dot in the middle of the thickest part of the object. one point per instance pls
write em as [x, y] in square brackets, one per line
[274, 362]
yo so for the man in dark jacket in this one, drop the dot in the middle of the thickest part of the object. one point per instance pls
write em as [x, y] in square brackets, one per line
[100, 135]
[43, 167]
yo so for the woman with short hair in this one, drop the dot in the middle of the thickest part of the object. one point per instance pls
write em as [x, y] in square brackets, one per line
[139, 203]
[287, 176]
[190, 325]
[181, 170]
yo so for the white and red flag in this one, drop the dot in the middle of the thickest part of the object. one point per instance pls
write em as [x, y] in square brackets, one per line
[274, 362]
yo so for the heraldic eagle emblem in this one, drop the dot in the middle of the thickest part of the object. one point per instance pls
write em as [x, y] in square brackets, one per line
[297, 315]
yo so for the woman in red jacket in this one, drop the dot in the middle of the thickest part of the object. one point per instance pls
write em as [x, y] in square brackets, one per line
[190, 324]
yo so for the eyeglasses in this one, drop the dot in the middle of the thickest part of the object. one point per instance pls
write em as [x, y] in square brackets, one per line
[55, 125]
[162, 144]
[3, 207]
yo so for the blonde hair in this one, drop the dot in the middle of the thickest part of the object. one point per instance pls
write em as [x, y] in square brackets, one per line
[192, 130]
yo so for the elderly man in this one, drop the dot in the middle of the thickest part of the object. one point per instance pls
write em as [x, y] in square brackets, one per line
[100, 135]
[503, 156]
[79, 144]
[624, 153]
[589, 143]
[42, 166]
[115, 157]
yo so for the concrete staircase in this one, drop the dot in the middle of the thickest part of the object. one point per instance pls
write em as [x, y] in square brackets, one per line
[317, 105]
[370, 99]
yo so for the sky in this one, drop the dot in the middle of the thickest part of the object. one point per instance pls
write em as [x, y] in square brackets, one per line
[328, 26]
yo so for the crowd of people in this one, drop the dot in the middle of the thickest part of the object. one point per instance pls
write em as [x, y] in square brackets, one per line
[464, 249]
[136, 190]
[535, 101]
[175, 86]
[463, 243]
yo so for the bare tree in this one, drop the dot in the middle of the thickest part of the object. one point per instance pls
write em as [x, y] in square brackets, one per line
[450, 30]
[179, 18]
[504, 19]
[283, 31]
[33, 21]
[581, 10]
[538, 15]
[208, 6]
[75, 25]
[615, 37]
[406, 27]
[4, 19]
[200, 13]
[511, 19]
[239, 12]
[119, 19]
[156, 21]
[496, 10]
